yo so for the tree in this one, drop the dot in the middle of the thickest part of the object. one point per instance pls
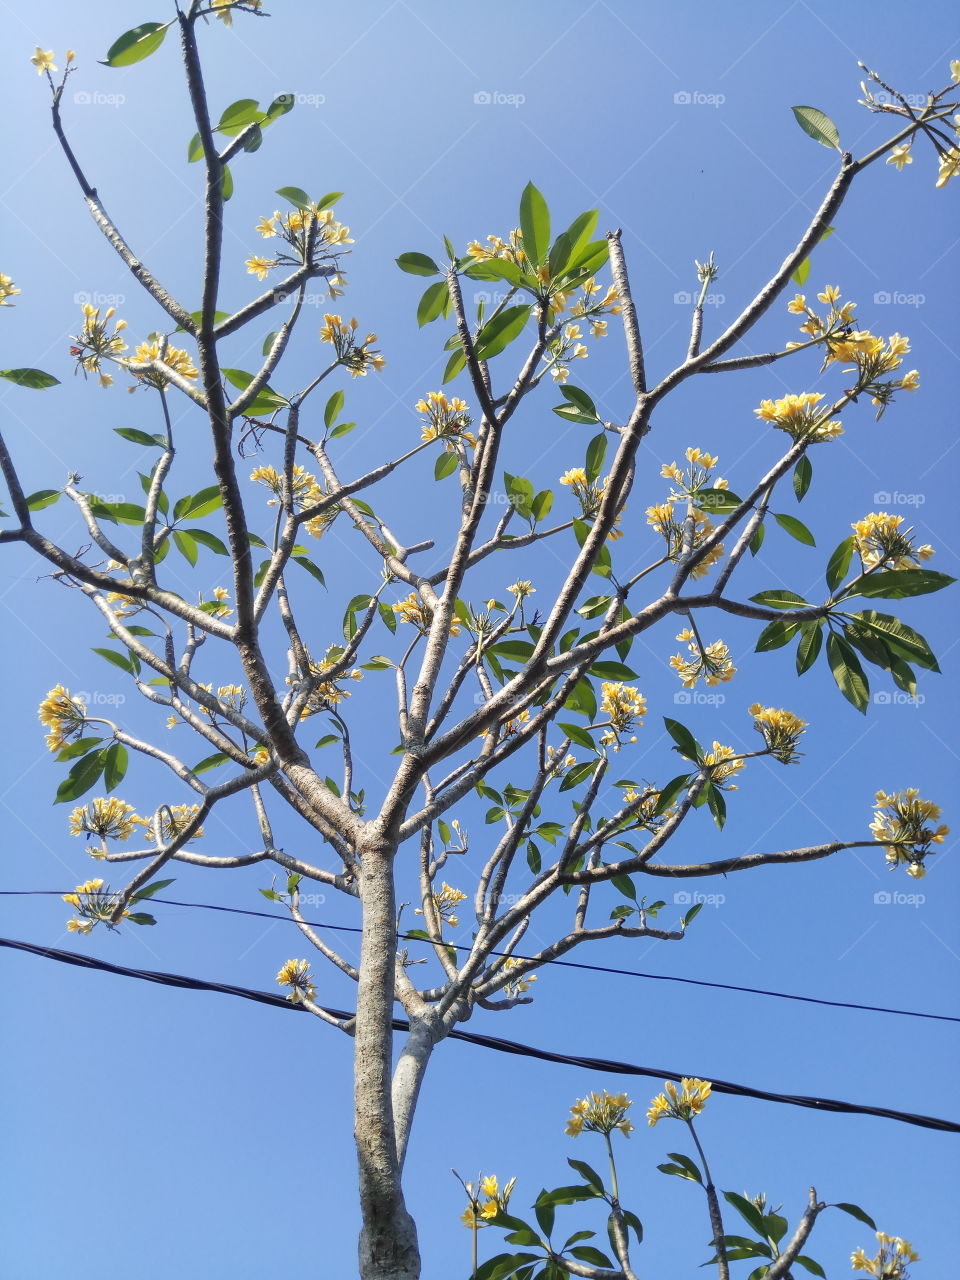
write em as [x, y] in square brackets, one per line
[485, 691]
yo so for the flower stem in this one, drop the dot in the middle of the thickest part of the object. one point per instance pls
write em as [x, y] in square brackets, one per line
[716, 1221]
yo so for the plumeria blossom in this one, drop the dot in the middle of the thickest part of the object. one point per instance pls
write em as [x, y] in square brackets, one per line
[94, 343]
[800, 417]
[43, 60]
[900, 156]
[174, 358]
[590, 495]
[444, 904]
[306, 491]
[446, 419]
[357, 357]
[486, 1200]
[890, 1262]
[7, 290]
[694, 477]
[326, 693]
[711, 663]
[600, 1113]
[94, 903]
[901, 823]
[63, 715]
[880, 541]
[295, 974]
[780, 730]
[173, 820]
[414, 611]
[645, 814]
[679, 1104]
[110, 819]
[624, 708]
[675, 531]
[516, 986]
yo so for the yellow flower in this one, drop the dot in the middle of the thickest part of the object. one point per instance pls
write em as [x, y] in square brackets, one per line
[516, 986]
[63, 715]
[296, 975]
[949, 166]
[780, 730]
[94, 343]
[799, 416]
[679, 1104]
[830, 294]
[107, 818]
[447, 419]
[444, 903]
[624, 707]
[798, 306]
[600, 1113]
[522, 588]
[174, 358]
[414, 610]
[879, 540]
[486, 1202]
[7, 289]
[713, 662]
[955, 70]
[900, 156]
[575, 476]
[901, 824]
[43, 61]
[723, 764]
[267, 227]
[174, 818]
[890, 1262]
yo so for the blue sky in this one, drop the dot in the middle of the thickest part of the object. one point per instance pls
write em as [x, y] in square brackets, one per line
[172, 1132]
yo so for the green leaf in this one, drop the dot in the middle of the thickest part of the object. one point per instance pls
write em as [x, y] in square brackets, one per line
[585, 261]
[779, 598]
[624, 885]
[895, 584]
[818, 126]
[444, 466]
[796, 529]
[581, 401]
[803, 270]
[848, 672]
[332, 408]
[136, 44]
[545, 1211]
[43, 498]
[388, 617]
[211, 762]
[296, 196]
[34, 379]
[612, 671]
[774, 1227]
[186, 546]
[587, 1253]
[519, 492]
[839, 563]
[671, 792]
[811, 642]
[226, 183]
[118, 659]
[596, 452]
[115, 760]
[498, 269]
[455, 365]
[271, 894]
[900, 638]
[582, 700]
[140, 917]
[238, 115]
[578, 735]
[210, 541]
[140, 437]
[499, 332]
[855, 1211]
[692, 1169]
[281, 104]
[588, 1174]
[329, 199]
[192, 506]
[81, 777]
[719, 501]
[686, 742]
[534, 225]
[756, 542]
[534, 861]
[149, 890]
[748, 1211]
[433, 303]
[775, 635]
[78, 748]
[678, 1171]
[417, 264]
[808, 1264]
[579, 773]
[541, 506]
[717, 804]
[802, 475]
[306, 563]
[194, 149]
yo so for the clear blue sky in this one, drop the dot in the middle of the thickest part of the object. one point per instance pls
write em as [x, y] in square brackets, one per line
[150, 1132]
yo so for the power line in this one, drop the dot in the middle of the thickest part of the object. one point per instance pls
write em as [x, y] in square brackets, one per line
[563, 964]
[489, 1042]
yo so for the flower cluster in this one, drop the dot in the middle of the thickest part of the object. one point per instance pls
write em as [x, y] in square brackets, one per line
[781, 731]
[94, 343]
[900, 823]
[592, 309]
[519, 985]
[63, 716]
[306, 491]
[107, 818]
[94, 904]
[173, 820]
[694, 528]
[486, 1200]
[800, 417]
[7, 289]
[356, 356]
[566, 346]
[446, 420]
[890, 1262]
[42, 59]
[415, 611]
[590, 495]
[948, 157]
[600, 1113]
[880, 541]
[217, 607]
[510, 250]
[175, 358]
[296, 975]
[624, 708]
[679, 1104]
[712, 662]
[694, 477]
[723, 763]
[326, 693]
[444, 904]
[309, 235]
[645, 814]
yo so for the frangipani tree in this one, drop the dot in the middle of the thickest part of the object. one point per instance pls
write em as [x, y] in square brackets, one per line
[518, 697]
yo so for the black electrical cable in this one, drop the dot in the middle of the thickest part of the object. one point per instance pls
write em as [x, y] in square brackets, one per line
[489, 1042]
[564, 964]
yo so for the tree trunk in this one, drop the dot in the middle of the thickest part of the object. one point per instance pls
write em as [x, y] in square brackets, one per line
[388, 1237]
